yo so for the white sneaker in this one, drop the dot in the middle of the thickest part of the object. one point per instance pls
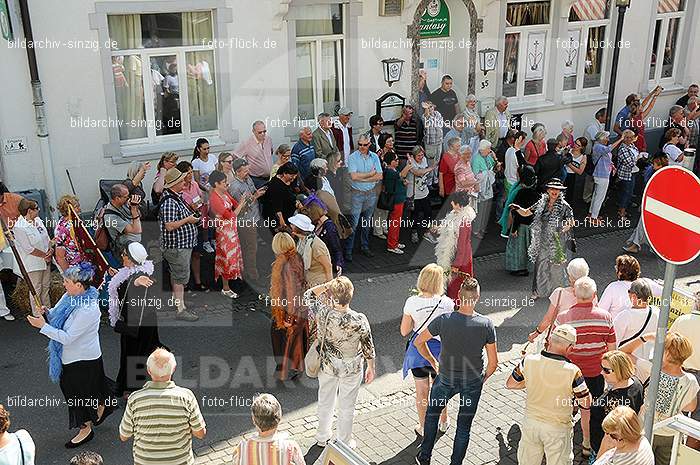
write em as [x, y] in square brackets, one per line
[352, 444]
[443, 427]
[402, 246]
[9, 317]
[380, 236]
[397, 251]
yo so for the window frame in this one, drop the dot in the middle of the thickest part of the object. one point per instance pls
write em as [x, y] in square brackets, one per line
[225, 138]
[523, 31]
[586, 26]
[665, 19]
[340, 42]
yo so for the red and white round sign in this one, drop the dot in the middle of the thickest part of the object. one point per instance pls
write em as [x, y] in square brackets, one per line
[671, 214]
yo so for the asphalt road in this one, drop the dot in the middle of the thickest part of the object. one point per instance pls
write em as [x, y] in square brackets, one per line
[225, 357]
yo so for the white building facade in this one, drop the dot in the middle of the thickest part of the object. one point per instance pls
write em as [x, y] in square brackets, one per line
[129, 80]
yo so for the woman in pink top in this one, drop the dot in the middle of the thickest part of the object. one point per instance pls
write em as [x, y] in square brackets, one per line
[192, 195]
[567, 130]
[562, 298]
[537, 146]
[465, 180]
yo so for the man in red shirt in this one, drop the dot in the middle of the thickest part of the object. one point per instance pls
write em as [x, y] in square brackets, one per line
[595, 335]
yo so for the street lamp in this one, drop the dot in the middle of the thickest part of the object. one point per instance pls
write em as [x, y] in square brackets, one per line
[488, 57]
[622, 6]
[392, 70]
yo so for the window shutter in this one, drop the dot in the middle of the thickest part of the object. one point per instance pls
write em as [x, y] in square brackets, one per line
[390, 7]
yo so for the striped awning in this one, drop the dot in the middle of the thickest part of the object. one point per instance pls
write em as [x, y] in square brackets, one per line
[590, 10]
[670, 6]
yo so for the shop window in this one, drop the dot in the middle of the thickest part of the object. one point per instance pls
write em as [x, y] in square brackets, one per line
[319, 61]
[670, 18]
[528, 32]
[585, 50]
[164, 76]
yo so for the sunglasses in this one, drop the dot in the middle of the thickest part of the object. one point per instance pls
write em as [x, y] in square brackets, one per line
[364, 145]
[262, 132]
[227, 161]
[606, 370]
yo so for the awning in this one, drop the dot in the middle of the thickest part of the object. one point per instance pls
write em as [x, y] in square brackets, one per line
[590, 10]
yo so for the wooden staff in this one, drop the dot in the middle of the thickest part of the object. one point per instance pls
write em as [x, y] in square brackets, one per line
[91, 248]
[11, 240]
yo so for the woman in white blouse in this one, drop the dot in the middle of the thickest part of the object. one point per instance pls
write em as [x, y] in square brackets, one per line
[34, 247]
[615, 297]
[75, 356]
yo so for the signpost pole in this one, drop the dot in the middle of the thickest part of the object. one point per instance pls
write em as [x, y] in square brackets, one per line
[652, 393]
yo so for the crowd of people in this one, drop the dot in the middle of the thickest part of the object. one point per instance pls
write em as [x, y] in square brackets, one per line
[316, 204]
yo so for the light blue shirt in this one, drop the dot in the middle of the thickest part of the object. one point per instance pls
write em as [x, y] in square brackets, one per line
[602, 160]
[358, 163]
[80, 334]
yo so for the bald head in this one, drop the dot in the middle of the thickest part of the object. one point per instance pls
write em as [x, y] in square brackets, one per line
[161, 365]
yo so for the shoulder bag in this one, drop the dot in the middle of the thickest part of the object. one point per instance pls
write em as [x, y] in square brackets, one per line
[542, 340]
[312, 359]
[408, 342]
[641, 330]
[386, 199]
[21, 449]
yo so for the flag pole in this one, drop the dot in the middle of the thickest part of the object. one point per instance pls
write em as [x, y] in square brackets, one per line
[20, 264]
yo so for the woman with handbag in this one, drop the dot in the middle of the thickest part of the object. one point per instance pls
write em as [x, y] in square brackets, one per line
[418, 311]
[290, 330]
[395, 189]
[341, 340]
[132, 315]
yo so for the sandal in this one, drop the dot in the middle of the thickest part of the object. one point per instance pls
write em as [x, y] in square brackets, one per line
[229, 294]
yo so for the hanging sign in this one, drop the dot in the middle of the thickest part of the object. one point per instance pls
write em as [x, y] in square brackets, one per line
[435, 21]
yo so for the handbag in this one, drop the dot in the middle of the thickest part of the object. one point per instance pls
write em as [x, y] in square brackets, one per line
[21, 449]
[408, 342]
[312, 359]
[385, 201]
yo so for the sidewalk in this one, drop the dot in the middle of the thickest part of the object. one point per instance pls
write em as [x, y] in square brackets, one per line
[383, 429]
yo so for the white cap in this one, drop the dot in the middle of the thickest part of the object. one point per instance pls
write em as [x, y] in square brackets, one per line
[137, 253]
[302, 222]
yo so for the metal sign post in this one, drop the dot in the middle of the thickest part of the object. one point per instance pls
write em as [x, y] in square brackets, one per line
[661, 329]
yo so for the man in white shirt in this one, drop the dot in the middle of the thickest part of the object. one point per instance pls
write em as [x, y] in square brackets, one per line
[637, 320]
[342, 131]
[594, 128]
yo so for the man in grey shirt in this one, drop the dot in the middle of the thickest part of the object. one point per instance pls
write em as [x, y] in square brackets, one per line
[463, 335]
[123, 223]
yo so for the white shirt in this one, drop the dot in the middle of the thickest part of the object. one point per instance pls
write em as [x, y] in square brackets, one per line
[30, 236]
[329, 135]
[673, 153]
[628, 323]
[80, 334]
[578, 160]
[420, 182]
[346, 140]
[326, 186]
[616, 298]
[511, 169]
[10, 453]
[204, 167]
[419, 308]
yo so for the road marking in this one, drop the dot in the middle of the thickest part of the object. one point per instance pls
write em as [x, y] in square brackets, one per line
[679, 217]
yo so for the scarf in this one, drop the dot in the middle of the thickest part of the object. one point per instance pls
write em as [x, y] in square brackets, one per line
[446, 248]
[561, 212]
[57, 318]
[112, 288]
[305, 250]
[286, 284]
[506, 209]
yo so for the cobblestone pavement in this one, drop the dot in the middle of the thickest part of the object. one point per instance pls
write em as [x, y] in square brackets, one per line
[383, 429]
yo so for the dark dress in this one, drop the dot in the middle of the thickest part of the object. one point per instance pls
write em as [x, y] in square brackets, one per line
[329, 235]
[278, 198]
[139, 335]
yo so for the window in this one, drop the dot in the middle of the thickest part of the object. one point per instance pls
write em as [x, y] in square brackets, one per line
[584, 49]
[667, 30]
[164, 76]
[390, 7]
[525, 50]
[319, 60]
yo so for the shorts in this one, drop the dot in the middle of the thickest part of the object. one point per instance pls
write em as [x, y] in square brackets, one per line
[596, 385]
[179, 262]
[423, 372]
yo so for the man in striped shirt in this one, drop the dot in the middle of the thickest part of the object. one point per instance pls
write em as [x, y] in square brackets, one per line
[595, 335]
[162, 417]
[553, 385]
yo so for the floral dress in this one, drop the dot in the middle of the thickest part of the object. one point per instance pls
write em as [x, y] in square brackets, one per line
[229, 259]
[63, 238]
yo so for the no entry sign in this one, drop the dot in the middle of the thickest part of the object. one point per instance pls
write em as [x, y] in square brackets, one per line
[671, 214]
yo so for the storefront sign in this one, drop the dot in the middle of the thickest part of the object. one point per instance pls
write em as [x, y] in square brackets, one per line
[14, 145]
[682, 302]
[5, 25]
[435, 21]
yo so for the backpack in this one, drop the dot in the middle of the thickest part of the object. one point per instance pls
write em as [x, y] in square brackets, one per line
[103, 240]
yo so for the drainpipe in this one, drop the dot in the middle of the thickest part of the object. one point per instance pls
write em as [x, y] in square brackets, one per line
[42, 130]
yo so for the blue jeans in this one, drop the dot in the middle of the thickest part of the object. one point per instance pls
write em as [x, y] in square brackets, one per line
[626, 189]
[362, 207]
[442, 391]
